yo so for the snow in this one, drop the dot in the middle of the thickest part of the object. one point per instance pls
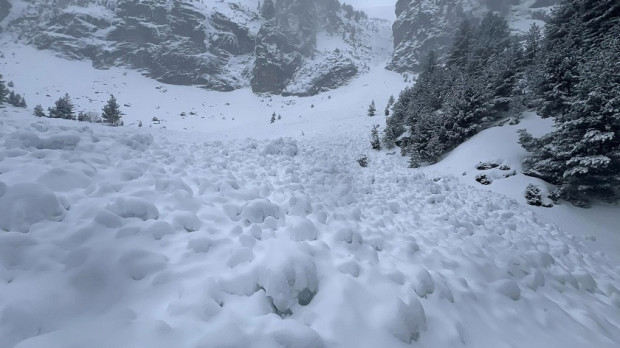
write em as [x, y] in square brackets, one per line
[231, 231]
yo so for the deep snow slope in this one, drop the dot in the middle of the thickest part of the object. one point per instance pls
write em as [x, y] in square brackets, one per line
[145, 237]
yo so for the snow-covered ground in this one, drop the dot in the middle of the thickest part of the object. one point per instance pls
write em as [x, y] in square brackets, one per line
[226, 230]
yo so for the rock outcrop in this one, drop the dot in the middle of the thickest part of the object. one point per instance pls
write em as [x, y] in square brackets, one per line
[219, 45]
[425, 25]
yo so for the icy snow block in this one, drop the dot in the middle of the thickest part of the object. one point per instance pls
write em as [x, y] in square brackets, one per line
[303, 229]
[60, 142]
[406, 321]
[256, 211]
[25, 204]
[423, 283]
[289, 279]
[62, 180]
[138, 142]
[129, 207]
[281, 146]
[509, 288]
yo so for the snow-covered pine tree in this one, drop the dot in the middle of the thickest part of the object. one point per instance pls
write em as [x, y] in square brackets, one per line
[111, 113]
[3, 91]
[63, 108]
[38, 111]
[372, 109]
[374, 138]
[582, 155]
[462, 45]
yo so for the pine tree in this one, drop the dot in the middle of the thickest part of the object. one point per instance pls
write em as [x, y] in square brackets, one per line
[374, 138]
[273, 117]
[533, 42]
[63, 108]
[3, 91]
[582, 92]
[38, 111]
[372, 109]
[461, 46]
[16, 100]
[268, 11]
[111, 112]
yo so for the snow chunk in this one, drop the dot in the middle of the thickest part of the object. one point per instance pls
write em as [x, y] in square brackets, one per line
[404, 321]
[128, 207]
[509, 288]
[138, 142]
[62, 180]
[257, 210]
[288, 276]
[423, 283]
[281, 146]
[303, 229]
[25, 140]
[25, 204]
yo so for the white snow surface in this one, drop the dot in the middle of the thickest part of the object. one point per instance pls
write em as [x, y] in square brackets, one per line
[224, 230]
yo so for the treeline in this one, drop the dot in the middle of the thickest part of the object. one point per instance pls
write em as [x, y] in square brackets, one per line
[9, 96]
[63, 108]
[570, 73]
[581, 91]
[483, 80]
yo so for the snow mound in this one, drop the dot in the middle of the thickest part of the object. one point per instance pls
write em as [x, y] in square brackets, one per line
[281, 146]
[24, 204]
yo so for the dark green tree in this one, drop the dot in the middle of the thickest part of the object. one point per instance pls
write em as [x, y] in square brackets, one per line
[372, 109]
[374, 138]
[38, 111]
[3, 91]
[112, 113]
[63, 108]
[582, 92]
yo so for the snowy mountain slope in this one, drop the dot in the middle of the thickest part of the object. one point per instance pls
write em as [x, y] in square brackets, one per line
[159, 238]
[221, 45]
[220, 115]
[425, 25]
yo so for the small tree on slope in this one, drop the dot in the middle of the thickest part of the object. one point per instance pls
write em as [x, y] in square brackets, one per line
[111, 112]
[63, 108]
[374, 138]
[372, 109]
[38, 111]
[3, 91]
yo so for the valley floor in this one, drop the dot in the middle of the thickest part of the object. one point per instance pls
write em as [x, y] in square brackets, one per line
[240, 233]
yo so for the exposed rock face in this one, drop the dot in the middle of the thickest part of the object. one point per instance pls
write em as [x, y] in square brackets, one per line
[5, 7]
[220, 45]
[425, 25]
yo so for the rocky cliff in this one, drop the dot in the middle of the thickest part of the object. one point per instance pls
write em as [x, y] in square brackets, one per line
[424, 25]
[220, 45]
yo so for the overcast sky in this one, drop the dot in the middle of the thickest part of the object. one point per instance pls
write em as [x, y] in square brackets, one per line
[375, 8]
